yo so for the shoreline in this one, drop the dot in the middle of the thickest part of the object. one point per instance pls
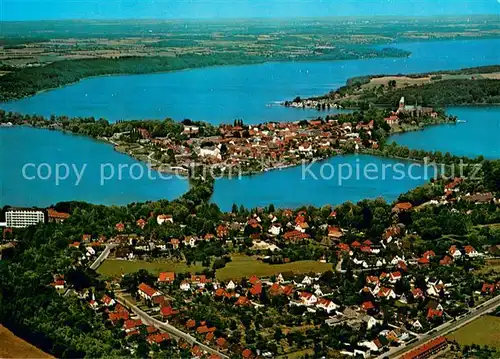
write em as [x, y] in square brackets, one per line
[249, 63]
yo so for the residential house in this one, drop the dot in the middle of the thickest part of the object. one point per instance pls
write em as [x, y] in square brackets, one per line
[454, 252]
[147, 292]
[164, 218]
[307, 299]
[470, 251]
[166, 277]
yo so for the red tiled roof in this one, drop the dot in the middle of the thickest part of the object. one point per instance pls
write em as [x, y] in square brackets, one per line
[131, 324]
[168, 311]
[148, 290]
[426, 348]
[158, 338]
[191, 323]
[204, 329]
[166, 277]
[247, 353]
[403, 206]
[431, 313]
[367, 305]
[52, 213]
[242, 301]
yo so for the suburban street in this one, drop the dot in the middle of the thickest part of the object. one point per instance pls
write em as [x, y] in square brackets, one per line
[445, 328]
[147, 319]
[102, 257]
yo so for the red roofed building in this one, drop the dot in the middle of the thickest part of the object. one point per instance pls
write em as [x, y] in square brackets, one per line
[335, 232]
[120, 227]
[434, 313]
[222, 231]
[355, 244]
[167, 312]
[191, 323]
[166, 277]
[256, 289]
[423, 261]
[131, 325]
[366, 306]
[446, 261]
[344, 247]
[222, 343]
[243, 301]
[55, 216]
[141, 223]
[295, 236]
[488, 288]
[204, 329]
[247, 354]
[427, 350]
[402, 207]
[147, 292]
[157, 338]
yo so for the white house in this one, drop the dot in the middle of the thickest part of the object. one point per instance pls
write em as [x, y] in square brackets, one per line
[162, 218]
[190, 241]
[417, 325]
[279, 278]
[308, 299]
[231, 285]
[454, 252]
[275, 229]
[370, 321]
[326, 305]
[307, 280]
[185, 286]
[471, 252]
[211, 152]
[147, 292]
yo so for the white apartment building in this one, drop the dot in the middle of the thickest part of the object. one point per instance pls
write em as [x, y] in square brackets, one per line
[21, 218]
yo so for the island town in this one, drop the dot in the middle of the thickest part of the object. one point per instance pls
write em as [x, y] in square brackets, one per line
[237, 149]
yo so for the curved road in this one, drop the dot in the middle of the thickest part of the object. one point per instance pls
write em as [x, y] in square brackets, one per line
[146, 318]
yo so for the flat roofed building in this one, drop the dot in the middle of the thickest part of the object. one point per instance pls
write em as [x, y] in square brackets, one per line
[21, 218]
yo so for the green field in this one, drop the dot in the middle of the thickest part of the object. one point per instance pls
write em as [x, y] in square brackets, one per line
[115, 268]
[483, 331]
[243, 266]
[491, 268]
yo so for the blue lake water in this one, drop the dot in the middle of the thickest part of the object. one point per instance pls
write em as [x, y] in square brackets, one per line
[334, 181]
[20, 146]
[221, 94]
[478, 135]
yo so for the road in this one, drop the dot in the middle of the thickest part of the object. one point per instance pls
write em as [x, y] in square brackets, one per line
[102, 257]
[146, 318]
[445, 328]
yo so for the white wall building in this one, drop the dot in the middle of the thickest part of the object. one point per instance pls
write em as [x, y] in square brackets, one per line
[21, 218]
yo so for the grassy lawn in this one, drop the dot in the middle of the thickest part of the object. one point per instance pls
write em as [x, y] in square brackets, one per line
[491, 268]
[298, 354]
[116, 267]
[483, 331]
[12, 346]
[244, 266]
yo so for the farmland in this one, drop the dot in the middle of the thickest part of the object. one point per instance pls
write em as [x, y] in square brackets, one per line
[12, 346]
[116, 267]
[483, 331]
[242, 266]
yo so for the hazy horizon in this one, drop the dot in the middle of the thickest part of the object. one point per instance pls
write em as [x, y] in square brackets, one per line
[16, 10]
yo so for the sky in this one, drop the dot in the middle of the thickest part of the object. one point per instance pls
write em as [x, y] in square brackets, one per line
[22, 10]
